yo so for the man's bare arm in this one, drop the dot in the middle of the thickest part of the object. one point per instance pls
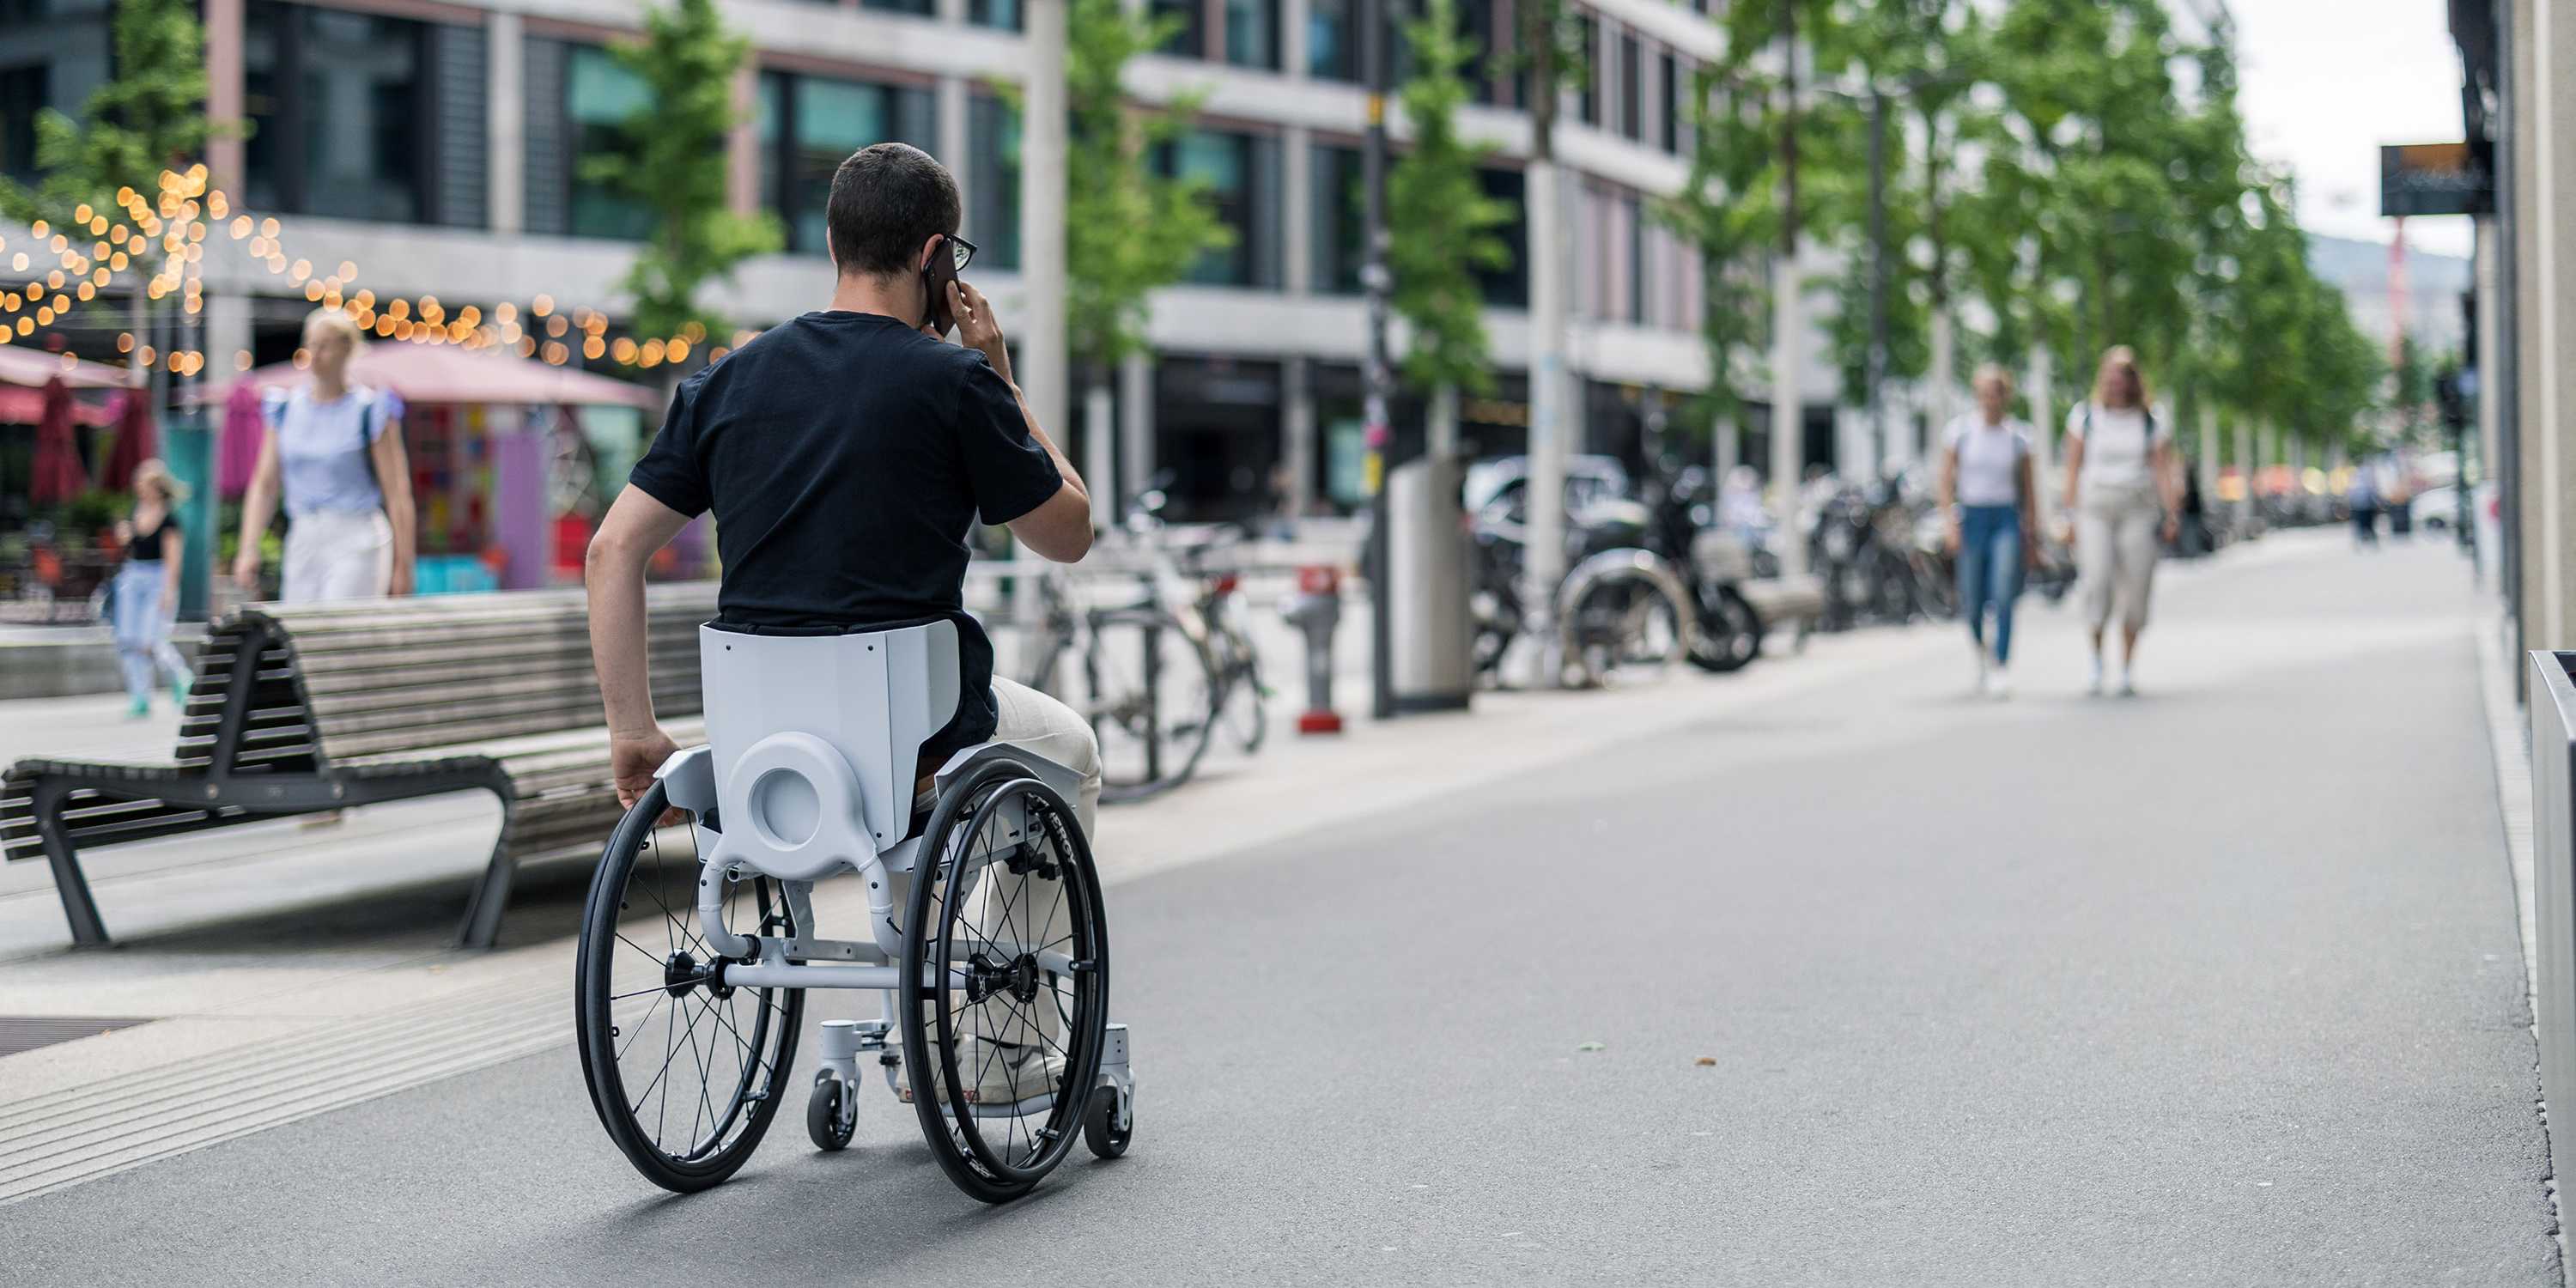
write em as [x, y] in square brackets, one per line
[637, 525]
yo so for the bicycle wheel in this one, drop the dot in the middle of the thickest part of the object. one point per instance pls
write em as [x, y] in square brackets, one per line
[1730, 632]
[1244, 710]
[684, 1071]
[1004, 1055]
[1151, 695]
[1625, 624]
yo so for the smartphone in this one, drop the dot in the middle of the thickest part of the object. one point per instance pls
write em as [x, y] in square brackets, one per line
[935, 278]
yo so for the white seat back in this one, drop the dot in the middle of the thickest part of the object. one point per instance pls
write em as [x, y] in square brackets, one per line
[816, 738]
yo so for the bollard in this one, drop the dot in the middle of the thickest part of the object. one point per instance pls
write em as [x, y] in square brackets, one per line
[1316, 609]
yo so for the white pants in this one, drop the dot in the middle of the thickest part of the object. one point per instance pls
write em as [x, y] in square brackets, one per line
[1050, 729]
[2116, 545]
[337, 554]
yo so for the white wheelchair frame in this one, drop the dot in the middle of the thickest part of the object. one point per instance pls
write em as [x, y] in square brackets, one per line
[808, 770]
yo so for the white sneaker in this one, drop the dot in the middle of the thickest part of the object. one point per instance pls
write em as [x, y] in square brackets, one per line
[2128, 684]
[1011, 1074]
[2093, 687]
[1985, 663]
[1998, 685]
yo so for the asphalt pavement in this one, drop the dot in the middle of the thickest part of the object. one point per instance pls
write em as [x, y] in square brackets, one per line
[1857, 980]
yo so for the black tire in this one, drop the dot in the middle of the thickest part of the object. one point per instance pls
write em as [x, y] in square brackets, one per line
[1730, 633]
[827, 1123]
[1151, 737]
[943, 941]
[1099, 1130]
[1245, 712]
[736, 1090]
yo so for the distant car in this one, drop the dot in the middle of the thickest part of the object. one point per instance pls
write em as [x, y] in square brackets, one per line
[2435, 508]
[1501, 485]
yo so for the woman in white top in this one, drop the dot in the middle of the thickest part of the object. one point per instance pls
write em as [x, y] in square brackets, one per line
[1985, 470]
[2124, 491]
[335, 453]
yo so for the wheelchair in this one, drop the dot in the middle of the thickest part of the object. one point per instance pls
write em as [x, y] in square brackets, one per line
[986, 941]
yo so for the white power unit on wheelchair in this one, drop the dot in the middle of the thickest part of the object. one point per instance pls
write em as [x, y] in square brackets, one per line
[986, 938]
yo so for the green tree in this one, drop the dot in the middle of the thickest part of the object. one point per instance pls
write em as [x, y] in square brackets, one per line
[1441, 223]
[674, 163]
[1128, 228]
[150, 118]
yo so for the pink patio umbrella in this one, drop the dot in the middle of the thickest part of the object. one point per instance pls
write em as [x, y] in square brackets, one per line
[59, 476]
[446, 373]
[237, 452]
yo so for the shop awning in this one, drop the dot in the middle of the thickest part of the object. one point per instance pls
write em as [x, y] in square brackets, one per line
[30, 368]
[444, 373]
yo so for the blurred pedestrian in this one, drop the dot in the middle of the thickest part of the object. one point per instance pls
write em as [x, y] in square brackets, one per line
[2361, 498]
[334, 454]
[146, 593]
[2122, 489]
[1987, 490]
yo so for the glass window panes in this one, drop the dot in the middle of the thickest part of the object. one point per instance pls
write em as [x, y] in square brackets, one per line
[599, 96]
[1332, 41]
[1677, 77]
[1507, 286]
[1187, 22]
[1588, 98]
[1236, 184]
[1252, 33]
[993, 181]
[1008, 15]
[809, 125]
[1629, 73]
[922, 8]
[1340, 228]
[22, 95]
[340, 112]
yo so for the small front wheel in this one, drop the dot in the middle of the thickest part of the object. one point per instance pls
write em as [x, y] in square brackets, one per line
[831, 1117]
[1100, 1129]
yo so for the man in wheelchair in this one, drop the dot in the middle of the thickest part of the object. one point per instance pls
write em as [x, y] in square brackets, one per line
[846, 455]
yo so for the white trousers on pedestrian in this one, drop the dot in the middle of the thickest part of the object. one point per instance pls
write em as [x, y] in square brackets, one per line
[2115, 551]
[337, 554]
[1050, 729]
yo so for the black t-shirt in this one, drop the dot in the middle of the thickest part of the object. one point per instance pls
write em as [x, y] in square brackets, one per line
[846, 457]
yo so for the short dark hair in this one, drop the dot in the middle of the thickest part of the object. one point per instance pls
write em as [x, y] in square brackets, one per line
[888, 199]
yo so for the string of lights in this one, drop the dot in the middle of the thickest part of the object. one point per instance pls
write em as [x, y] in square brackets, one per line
[189, 213]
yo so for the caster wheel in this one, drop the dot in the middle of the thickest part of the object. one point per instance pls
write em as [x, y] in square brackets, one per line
[830, 1117]
[1100, 1130]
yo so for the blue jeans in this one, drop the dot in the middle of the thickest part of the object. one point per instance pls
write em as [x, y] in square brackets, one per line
[1990, 571]
[143, 647]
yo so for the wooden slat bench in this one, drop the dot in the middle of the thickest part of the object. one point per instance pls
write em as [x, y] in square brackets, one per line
[309, 708]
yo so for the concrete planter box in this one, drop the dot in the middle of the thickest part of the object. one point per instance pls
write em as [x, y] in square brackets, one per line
[2553, 864]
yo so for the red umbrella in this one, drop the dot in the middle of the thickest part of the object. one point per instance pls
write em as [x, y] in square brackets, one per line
[136, 439]
[58, 465]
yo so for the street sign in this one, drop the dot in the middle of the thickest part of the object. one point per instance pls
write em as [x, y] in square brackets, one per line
[2433, 179]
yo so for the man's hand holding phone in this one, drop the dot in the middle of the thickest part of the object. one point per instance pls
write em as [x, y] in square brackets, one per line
[977, 328]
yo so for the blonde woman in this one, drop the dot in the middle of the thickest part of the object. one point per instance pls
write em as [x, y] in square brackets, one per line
[1986, 473]
[146, 593]
[2125, 492]
[334, 455]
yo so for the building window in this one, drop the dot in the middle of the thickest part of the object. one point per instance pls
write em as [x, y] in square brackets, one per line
[919, 8]
[1332, 41]
[1340, 220]
[1005, 14]
[1632, 230]
[1252, 33]
[993, 181]
[1189, 32]
[1240, 172]
[1679, 77]
[1588, 99]
[22, 95]
[341, 113]
[809, 125]
[599, 96]
[1507, 286]
[1630, 87]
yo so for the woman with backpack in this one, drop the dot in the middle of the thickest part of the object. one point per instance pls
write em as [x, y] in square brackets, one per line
[2123, 490]
[334, 455]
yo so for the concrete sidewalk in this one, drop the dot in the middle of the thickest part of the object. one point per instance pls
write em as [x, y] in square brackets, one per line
[1821, 974]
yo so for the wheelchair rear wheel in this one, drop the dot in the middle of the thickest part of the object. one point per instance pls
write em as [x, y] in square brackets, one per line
[1004, 1055]
[685, 1072]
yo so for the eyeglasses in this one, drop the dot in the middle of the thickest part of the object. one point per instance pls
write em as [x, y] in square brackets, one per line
[961, 250]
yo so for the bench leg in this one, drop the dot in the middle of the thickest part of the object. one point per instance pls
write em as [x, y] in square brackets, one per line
[491, 898]
[79, 909]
